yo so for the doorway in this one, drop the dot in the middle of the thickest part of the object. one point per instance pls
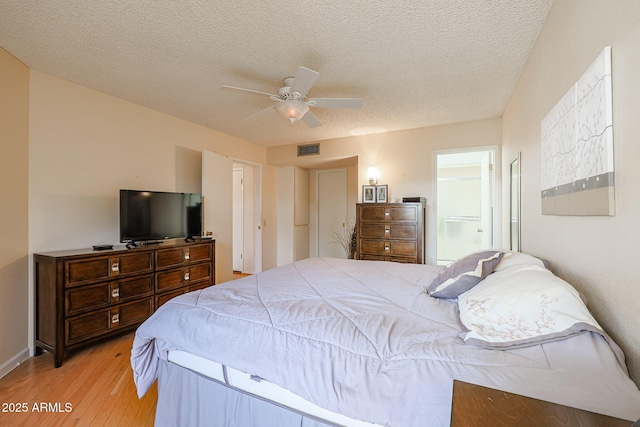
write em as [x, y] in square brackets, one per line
[464, 203]
[246, 218]
[217, 191]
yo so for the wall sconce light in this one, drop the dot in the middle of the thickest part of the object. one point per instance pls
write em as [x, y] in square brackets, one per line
[373, 174]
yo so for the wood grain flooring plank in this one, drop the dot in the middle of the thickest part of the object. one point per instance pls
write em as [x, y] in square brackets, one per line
[93, 387]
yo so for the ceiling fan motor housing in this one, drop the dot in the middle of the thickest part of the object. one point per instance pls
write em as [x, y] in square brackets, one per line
[285, 93]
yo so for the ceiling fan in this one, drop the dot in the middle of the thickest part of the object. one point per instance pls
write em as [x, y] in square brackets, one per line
[292, 102]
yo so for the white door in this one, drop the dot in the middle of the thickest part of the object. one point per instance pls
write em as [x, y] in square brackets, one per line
[238, 219]
[217, 193]
[332, 212]
[464, 203]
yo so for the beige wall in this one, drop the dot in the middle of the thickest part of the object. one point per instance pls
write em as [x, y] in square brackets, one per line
[85, 146]
[599, 255]
[14, 211]
[404, 158]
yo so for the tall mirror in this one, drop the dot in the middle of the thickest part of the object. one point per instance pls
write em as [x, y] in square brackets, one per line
[514, 214]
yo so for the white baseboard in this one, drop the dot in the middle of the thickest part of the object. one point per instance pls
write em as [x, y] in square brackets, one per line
[14, 362]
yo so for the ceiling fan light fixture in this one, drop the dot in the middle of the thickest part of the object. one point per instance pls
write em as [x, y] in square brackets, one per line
[292, 102]
[292, 109]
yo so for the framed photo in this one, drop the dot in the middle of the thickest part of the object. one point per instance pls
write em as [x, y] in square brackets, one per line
[368, 194]
[382, 193]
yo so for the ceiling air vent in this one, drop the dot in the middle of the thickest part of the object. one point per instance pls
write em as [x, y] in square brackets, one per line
[308, 150]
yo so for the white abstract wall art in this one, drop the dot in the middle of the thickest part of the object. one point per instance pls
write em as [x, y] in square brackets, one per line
[577, 146]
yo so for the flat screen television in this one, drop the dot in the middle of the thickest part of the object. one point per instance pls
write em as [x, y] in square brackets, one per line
[148, 216]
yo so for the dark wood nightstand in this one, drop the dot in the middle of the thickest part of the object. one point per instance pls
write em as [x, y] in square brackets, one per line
[474, 405]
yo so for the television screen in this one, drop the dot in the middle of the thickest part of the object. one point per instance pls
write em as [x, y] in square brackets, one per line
[155, 215]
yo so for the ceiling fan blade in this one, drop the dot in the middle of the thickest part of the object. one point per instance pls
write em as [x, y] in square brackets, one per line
[240, 89]
[260, 113]
[305, 78]
[311, 120]
[335, 102]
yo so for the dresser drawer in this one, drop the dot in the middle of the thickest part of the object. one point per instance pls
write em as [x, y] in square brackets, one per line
[176, 257]
[389, 248]
[389, 213]
[172, 279]
[389, 231]
[168, 258]
[85, 298]
[166, 296]
[389, 258]
[197, 253]
[83, 271]
[86, 326]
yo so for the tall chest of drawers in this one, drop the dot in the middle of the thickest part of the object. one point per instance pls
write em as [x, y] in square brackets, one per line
[390, 232]
[83, 296]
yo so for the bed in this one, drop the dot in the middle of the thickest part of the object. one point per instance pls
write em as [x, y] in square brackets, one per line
[369, 343]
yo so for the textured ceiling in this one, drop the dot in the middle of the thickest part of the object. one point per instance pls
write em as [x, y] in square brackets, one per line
[414, 63]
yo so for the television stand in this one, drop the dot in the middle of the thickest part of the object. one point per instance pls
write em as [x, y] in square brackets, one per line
[151, 242]
[85, 296]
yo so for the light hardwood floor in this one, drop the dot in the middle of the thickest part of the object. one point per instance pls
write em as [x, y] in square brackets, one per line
[93, 387]
[239, 275]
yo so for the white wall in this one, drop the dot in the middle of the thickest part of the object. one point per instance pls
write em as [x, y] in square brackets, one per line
[598, 255]
[14, 214]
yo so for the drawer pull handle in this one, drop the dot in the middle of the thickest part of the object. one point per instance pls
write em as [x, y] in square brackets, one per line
[386, 230]
[386, 248]
[115, 293]
[115, 318]
[186, 255]
[115, 266]
[186, 277]
[387, 213]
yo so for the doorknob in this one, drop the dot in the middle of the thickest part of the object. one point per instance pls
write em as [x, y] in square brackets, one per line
[479, 230]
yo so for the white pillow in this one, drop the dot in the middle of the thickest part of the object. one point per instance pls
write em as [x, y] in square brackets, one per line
[522, 304]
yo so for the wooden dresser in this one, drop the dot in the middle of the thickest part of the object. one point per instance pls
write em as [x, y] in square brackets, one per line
[83, 296]
[390, 232]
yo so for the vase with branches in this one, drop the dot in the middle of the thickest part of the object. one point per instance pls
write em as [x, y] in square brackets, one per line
[347, 239]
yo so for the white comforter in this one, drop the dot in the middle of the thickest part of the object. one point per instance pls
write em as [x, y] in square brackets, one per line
[361, 338]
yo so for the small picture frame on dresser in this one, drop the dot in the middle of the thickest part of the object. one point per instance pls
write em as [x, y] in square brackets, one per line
[368, 194]
[382, 193]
